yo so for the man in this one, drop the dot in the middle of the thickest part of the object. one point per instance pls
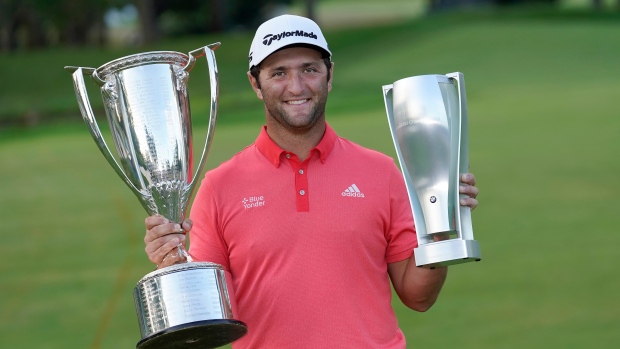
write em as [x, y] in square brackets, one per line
[309, 261]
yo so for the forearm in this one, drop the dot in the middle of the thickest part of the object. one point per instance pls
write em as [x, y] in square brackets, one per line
[423, 285]
[418, 288]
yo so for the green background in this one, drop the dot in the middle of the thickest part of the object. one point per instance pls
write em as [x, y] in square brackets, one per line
[543, 95]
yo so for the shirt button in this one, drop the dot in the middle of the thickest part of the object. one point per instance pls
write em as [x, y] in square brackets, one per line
[288, 156]
[302, 192]
[301, 171]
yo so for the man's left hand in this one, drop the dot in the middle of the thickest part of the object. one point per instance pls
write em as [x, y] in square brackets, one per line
[468, 187]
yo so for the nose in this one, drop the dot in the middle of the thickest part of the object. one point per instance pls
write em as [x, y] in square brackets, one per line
[296, 85]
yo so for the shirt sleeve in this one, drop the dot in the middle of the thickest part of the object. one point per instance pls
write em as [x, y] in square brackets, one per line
[401, 235]
[206, 240]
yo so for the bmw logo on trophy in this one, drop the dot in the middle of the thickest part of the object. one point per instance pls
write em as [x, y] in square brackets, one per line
[147, 107]
[427, 116]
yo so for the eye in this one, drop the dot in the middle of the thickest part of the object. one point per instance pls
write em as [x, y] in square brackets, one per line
[310, 70]
[278, 73]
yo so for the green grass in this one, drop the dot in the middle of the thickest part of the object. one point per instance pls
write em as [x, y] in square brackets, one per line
[544, 129]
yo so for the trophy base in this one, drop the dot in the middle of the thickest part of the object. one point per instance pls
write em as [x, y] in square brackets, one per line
[199, 334]
[447, 252]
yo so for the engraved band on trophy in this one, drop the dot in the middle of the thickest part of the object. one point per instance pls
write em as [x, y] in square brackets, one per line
[427, 116]
[146, 101]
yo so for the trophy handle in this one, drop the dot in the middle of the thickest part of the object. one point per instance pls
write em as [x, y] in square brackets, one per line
[464, 223]
[208, 53]
[89, 117]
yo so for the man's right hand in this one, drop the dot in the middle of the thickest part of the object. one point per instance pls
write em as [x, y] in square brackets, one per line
[162, 238]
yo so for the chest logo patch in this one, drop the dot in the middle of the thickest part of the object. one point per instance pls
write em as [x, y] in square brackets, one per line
[353, 191]
[253, 201]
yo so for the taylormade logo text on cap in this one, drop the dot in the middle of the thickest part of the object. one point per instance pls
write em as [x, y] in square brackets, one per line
[269, 38]
[283, 31]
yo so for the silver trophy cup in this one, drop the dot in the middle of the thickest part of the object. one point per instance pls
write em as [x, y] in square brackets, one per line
[427, 116]
[147, 106]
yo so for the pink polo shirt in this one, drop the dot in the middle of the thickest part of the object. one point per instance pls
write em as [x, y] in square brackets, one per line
[307, 243]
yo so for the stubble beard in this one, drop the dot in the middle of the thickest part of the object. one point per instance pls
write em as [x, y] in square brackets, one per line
[278, 113]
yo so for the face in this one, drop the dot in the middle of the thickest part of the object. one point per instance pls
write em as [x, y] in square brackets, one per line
[294, 88]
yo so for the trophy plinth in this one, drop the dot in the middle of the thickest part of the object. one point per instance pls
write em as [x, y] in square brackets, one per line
[427, 116]
[147, 107]
[199, 334]
[447, 252]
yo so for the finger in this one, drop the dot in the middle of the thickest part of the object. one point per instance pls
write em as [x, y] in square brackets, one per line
[469, 190]
[171, 258]
[187, 225]
[469, 202]
[161, 230]
[158, 253]
[468, 178]
[155, 220]
[161, 242]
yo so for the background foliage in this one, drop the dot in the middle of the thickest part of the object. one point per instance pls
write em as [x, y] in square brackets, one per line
[543, 127]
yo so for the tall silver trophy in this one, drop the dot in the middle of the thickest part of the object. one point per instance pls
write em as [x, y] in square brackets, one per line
[427, 116]
[146, 102]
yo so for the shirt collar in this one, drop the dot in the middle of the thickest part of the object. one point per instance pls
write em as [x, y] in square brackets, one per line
[273, 152]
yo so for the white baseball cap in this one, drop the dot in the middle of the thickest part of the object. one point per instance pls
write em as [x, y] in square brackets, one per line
[282, 31]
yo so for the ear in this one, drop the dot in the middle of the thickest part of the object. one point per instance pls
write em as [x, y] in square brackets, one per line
[331, 77]
[255, 87]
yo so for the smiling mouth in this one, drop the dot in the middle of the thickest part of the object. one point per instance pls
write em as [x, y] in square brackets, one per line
[298, 102]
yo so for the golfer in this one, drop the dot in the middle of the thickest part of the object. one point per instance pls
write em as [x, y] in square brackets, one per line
[310, 227]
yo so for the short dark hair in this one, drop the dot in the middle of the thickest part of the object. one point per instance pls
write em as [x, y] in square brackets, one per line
[255, 70]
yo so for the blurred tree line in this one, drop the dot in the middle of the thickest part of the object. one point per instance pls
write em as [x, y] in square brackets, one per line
[28, 24]
[440, 5]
